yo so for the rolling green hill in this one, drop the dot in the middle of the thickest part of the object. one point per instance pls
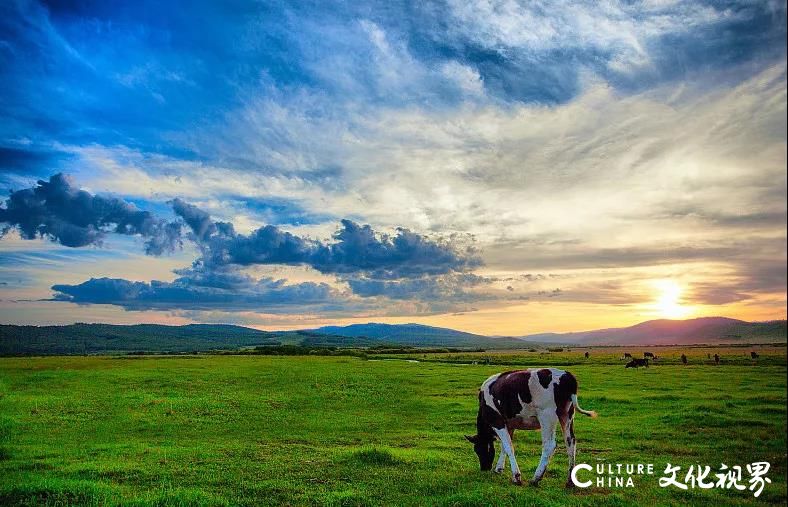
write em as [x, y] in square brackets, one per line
[107, 338]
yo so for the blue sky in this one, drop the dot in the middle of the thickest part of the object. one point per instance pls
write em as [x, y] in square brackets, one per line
[494, 166]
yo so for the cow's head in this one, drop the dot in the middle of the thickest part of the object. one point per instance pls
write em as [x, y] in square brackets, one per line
[484, 449]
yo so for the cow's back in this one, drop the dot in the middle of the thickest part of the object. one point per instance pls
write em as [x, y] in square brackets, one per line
[523, 393]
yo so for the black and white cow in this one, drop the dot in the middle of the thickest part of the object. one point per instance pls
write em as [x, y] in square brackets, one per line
[637, 363]
[529, 400]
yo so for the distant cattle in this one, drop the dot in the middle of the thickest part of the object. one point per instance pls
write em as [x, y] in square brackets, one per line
[716, 359]
[648, 354]
[683, 358]
[754, 355]
[526, 399]
[587, 354]
[627, 355]
[636, 363]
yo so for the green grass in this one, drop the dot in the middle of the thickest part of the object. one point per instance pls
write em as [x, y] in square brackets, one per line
[252, 430]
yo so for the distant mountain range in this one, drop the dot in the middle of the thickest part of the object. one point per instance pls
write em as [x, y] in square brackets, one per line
[107, 338]
[674, 332]
[418, 335]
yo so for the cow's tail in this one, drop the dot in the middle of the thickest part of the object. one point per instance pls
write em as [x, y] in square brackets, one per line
[589, 413]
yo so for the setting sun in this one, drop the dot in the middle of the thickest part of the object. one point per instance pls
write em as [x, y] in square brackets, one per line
[668, 303]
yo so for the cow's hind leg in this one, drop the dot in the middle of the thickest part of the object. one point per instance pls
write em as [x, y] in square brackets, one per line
[548, 420]
[568, 429]
[508, 448]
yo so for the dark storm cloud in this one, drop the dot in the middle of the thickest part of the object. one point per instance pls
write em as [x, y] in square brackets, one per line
[406, 254]
[403, 265]
[357, 257]
[227, 289]
[199, 291]
[356, 249]
[58, 210]
[198, 220]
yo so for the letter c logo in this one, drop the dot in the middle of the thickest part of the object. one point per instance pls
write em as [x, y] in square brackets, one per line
[581, 466]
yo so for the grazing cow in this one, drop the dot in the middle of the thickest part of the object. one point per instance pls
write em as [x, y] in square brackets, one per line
[683, 358]
[586, 355]
[529, 400]
[754, 355]
[627, 355]
[635, 363]
[716, 359]
[648, 354]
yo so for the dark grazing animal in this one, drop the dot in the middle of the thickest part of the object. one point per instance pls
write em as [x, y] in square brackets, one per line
[716, 359]
[587, 355]
[648, 354]
[683, 358]
[636, 363]
[533, 399]
[754, 355]
[627, 355]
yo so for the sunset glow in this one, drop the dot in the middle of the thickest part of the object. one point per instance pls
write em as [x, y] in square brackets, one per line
[668, 303]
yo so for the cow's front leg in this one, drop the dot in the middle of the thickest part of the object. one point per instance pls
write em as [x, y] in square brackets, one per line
[502, 456]
[508, 448]
[548, 421]
[499, 467]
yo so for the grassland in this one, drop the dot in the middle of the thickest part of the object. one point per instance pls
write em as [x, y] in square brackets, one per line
[252, 430]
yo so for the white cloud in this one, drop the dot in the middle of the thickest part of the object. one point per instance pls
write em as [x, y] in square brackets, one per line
[623, 29]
